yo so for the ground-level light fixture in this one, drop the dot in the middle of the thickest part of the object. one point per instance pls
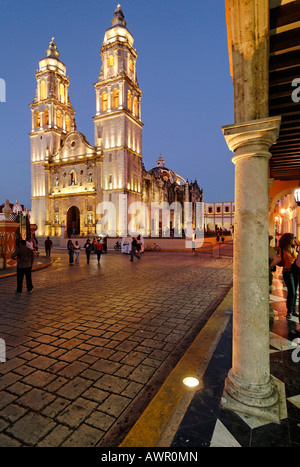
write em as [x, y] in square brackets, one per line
[191, 381]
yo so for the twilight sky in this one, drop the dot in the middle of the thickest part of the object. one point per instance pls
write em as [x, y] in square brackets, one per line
[182, 70]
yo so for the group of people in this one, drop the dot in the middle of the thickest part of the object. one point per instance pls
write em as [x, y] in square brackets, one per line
[287, 256]
[96, 245]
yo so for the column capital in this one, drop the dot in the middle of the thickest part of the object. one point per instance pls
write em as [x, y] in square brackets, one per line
[252, 138]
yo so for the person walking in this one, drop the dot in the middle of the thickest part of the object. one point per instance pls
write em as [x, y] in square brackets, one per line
[48, 246]
[24, 256]
[70, 248]
[133, 249]
[88, 246]
[76, 251]
[98, 249]
[104, 244]
[286, 257]
[35, 244]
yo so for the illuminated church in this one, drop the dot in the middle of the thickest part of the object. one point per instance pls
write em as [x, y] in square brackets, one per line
[70, 177]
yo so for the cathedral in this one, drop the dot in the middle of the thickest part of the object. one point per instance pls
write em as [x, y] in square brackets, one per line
[71, 178]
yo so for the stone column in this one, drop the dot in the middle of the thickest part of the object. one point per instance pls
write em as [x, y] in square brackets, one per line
[249, 388]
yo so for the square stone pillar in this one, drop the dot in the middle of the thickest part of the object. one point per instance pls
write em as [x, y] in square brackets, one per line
[8, 233]
[249, 387]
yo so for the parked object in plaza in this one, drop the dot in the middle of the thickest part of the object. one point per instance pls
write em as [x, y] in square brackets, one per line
[152, 246]
[24, 256]
[117, 246]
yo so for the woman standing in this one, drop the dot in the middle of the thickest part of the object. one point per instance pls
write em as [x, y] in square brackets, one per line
[286, 258]
[76, 250]
[70, 248]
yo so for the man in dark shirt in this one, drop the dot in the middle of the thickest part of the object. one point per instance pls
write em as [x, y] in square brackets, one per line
[48, 246]
[133, 249]
[24, 257]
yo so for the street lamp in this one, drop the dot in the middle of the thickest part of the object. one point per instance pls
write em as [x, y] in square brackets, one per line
[297, 195]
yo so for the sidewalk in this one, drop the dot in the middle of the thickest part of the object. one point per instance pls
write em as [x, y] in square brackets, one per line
[180, 418]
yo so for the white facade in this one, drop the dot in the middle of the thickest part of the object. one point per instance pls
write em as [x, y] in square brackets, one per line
[219, 214]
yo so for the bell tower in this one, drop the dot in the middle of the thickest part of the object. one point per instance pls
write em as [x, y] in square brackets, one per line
[118, 116]
[52, 117]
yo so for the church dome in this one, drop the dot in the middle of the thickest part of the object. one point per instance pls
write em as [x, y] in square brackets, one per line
[166, 174]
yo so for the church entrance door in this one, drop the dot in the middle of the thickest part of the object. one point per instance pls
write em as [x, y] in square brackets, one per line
[73, 221]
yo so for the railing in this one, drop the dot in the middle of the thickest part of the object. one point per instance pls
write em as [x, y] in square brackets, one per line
[226, 249]
[206, 248]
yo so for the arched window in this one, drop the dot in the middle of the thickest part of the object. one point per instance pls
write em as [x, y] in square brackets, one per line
[110, 181]
[56, 181]
[72, 179]
[62, 93]
[90, 179]
[58, 118]
[129, 104]
[46, 117]
[110, 60]
[115, 98]
[130, 65]
[104, 101]
[136, 107]
[42, 90]
[37, 119]
[68, 126]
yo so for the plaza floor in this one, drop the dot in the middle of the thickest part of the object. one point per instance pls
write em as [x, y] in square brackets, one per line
[89, 349]
[97, 354]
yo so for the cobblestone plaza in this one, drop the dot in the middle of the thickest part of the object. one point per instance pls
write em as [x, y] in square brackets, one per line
[88, 349]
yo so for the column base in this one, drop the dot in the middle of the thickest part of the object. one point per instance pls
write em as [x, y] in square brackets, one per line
[261, 401]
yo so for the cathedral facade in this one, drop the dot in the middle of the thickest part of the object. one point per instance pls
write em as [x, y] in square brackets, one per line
[72, 181]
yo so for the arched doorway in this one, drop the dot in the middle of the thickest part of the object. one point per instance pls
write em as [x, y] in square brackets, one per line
[73, 221]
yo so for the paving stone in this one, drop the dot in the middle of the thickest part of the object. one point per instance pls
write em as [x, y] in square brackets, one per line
[31, 428]
[112, 383]
[114, 405]
[7, 442]
[142, 374]
[85, 436]
[100, 420]
[95, 394]
[12, 412]
[6, 399]
[55, 407]
[74, 388]
[76, 413]
[36, 399]
[57, 436]
[74, 369]
[42, 362]
[39, 379]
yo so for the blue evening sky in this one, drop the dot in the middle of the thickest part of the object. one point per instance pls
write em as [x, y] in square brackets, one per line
[182, 70]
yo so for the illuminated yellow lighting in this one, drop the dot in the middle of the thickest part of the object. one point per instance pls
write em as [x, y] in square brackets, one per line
[191, 382]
